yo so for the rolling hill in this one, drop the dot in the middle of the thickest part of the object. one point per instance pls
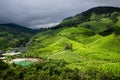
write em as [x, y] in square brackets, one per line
[88, 40]
[83, 47]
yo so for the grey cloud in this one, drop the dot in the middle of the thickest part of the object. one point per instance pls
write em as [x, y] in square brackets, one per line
[45, 13]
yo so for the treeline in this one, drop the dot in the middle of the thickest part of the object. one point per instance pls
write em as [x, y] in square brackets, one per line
[12, 35]
[92, 14]
[8, 40]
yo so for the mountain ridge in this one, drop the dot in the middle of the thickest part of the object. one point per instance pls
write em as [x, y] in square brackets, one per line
[84, 16]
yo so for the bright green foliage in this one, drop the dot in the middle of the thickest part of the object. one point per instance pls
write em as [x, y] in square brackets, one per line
[87, 49]
[106, 20]
[68, 56]
[93, 45]
[110, 43]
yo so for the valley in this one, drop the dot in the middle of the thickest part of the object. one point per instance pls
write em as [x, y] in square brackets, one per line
[83, 47]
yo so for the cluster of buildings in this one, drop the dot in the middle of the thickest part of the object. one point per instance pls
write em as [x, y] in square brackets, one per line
[13, 52]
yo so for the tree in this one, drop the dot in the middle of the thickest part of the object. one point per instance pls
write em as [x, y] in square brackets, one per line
[117, 30]
[68, 46]
[3, 67]
[9, 57]
[114, 17]
[95, 17]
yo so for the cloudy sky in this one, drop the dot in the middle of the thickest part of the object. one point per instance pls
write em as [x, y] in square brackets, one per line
[45, 13]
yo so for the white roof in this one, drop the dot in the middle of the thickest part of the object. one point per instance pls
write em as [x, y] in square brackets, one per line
[2, 57]
[12, 53]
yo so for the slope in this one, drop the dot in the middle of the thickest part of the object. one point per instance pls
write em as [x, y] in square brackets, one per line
[12, 35]
[92, 44]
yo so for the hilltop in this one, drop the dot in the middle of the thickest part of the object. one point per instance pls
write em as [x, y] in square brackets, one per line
[101, 12]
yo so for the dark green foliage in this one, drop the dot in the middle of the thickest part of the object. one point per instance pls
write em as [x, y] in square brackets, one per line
[12, 35]
[9, 58]
[69, 74]
[114, 17]
[99, 12]
[3, 66]
[17, 28]
[117, 30]
[92, 73]
[107, 32]
[52, 70]
[48, 70]
[68, 46]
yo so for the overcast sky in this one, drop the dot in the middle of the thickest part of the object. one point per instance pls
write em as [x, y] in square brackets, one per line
[45, 13]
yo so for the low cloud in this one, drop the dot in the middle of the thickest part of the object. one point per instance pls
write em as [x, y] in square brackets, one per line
[45, 13]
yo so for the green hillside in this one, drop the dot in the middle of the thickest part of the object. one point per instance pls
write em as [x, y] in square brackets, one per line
[12, 35]
[82, 47]
[95, 13]
[90, 44]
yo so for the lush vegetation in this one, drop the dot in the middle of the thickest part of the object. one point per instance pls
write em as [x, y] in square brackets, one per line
[12, 35]
[51, 70]
[83, 47]
[90, 44]
[92, 14]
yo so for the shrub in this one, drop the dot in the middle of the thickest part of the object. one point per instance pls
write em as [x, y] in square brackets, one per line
[68, 46]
